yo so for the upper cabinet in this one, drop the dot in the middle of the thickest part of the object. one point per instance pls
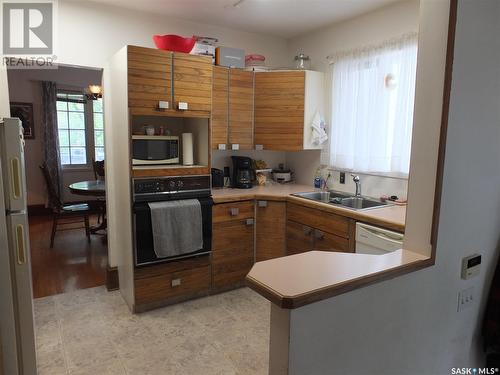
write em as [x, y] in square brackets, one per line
[165, 82]
[232, 109]
[285, 105]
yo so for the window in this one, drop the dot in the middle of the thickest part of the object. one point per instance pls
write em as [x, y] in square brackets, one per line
[81, 129]
[98, 129]
[373, 93]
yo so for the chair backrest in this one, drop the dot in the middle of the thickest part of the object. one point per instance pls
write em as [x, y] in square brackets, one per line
[54, 198]
[98, 167]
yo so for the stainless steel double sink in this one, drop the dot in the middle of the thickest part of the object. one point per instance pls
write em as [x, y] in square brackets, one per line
[341, 199]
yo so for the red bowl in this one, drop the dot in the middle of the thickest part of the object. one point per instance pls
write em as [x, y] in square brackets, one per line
[174, 43]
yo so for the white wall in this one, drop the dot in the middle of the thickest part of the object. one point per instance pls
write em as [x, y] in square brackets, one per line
[410, 324]
[372, 28]
[25, 86]
[89, 33]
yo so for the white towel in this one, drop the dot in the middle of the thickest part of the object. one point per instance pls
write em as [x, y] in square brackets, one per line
[177, 227]
[319, 135]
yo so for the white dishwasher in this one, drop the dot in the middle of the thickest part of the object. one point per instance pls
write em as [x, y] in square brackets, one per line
[378, 241]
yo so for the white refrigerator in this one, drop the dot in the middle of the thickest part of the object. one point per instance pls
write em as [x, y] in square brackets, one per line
[17, 346]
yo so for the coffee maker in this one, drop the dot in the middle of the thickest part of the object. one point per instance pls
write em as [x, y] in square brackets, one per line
[243, 172]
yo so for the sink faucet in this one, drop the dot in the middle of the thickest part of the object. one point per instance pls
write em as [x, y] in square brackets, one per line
[355, 178]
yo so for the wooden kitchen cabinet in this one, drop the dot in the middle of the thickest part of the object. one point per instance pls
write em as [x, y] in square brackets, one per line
[329, 242]
[270, 230]
[192, 82]
[155, 75]
[232, 244]
[285, 105]
[299, 238]
[232, 109]
[220, 107]
[149, 77]
[312, 229]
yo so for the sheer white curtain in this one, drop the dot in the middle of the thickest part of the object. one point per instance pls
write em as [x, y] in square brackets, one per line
[373, 91]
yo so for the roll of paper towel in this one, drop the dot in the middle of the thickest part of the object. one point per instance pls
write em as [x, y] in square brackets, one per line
[187, 149]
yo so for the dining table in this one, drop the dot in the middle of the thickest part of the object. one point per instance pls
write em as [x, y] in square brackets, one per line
[92, 188]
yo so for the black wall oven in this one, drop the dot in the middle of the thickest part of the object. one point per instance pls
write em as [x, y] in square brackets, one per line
[168, 188]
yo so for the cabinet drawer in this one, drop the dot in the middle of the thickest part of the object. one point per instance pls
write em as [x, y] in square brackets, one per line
[233, 211]
[321, 220]
[170, 285]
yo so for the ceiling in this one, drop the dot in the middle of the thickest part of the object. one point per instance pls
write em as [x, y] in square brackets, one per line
[283, 18]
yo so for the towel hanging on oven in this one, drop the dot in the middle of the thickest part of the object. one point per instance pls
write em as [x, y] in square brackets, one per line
[177, 227]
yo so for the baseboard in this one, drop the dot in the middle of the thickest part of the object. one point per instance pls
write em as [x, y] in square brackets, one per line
[112, 281]
[38, 210]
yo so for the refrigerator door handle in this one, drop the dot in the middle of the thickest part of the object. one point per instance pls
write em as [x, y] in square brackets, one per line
[16, 180]
[20, 244]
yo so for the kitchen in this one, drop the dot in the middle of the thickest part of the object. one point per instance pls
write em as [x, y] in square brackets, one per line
[222, 176]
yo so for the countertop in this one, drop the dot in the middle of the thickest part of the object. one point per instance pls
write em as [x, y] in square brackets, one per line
[301, 279]
[392, 217]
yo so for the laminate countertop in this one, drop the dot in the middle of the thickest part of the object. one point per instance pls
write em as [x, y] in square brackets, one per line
[297, 280]
[390, 217]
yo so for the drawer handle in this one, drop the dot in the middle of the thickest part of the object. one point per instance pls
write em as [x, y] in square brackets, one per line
[234, 211]
[262, 203]
[249, 222]
[319, 234]
[176, 282]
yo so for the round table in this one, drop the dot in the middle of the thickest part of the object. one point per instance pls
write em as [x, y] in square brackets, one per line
[94, 188]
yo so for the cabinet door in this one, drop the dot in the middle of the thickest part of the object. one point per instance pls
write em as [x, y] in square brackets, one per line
[232, 253]
[330, 242]
[192, 83]
[299, 238]
[270, 230]
[241, 100]
[220, 106]
[279, 110]
[149, 77]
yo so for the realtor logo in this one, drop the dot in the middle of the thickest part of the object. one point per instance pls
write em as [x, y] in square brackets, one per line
[28, 28]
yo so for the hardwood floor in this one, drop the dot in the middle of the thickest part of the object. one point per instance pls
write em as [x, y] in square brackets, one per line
[71, 264]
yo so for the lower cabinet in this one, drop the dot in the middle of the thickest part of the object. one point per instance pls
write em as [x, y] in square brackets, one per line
[299, 238]
[312, 229]
[270, 231]
[171, 282]
[232, 244]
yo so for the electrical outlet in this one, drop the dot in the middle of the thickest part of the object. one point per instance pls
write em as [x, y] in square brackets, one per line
[465, 298]
[342, 178]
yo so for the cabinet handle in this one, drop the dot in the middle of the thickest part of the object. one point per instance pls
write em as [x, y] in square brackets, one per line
[176, 282]
[162, 105]
[221, 146]
[319, 234]
[249, 222]
[307, 230]
[234, 211]
[182, 106]
[262, 203]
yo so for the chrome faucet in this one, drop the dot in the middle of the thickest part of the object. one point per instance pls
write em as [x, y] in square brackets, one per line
[356, 180]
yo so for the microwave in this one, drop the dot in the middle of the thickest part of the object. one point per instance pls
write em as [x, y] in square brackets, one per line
[155, 149]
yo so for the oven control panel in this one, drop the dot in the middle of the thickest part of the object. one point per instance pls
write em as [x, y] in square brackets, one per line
[144, 187]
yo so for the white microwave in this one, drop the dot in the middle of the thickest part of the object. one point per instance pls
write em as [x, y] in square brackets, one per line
[155, 149]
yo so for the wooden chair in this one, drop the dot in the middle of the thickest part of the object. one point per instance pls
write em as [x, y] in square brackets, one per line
[99, 174]
[98, 167]
[63, 215]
